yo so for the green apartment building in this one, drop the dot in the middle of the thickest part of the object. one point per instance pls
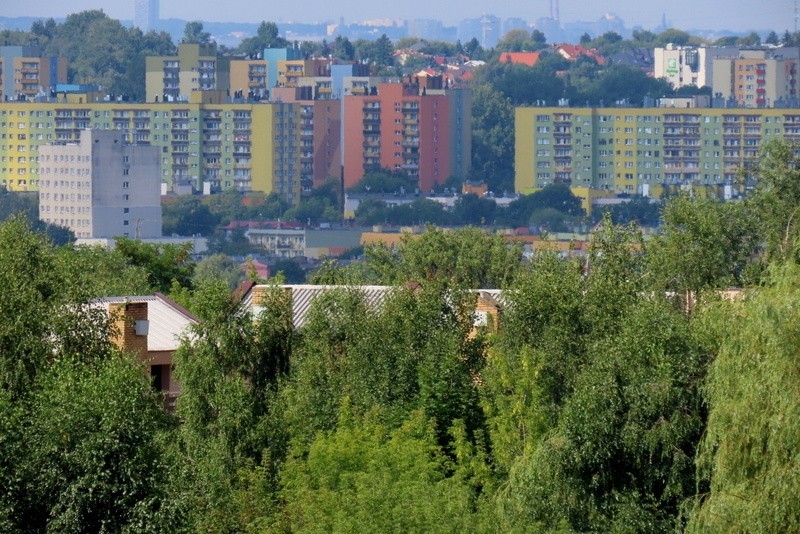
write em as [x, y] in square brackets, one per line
[612, 151]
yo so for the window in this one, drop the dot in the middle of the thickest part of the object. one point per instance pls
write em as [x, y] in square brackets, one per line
[125, 185]
[125, 197]
[125, 223]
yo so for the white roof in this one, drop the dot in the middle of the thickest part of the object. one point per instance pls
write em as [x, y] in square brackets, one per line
[168, 321]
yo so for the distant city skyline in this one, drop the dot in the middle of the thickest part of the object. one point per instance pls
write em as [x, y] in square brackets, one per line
[736, 15]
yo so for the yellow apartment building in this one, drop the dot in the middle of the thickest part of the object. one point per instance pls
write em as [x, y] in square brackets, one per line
[196, 67]
[210, 147]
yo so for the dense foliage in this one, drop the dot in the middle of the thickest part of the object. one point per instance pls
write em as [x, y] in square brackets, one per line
[617, 391]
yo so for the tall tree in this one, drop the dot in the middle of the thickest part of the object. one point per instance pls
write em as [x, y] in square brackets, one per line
[163, 263]
[267, 36]
[706, 244]
[492, 137]
[193, 33]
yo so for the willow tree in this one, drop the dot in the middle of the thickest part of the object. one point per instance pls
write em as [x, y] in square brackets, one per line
[749, 452]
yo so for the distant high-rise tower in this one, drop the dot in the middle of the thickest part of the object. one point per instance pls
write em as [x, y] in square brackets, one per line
[554, 10]
[145, 14]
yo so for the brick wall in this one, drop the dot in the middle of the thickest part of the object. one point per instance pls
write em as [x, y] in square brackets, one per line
[123, 320]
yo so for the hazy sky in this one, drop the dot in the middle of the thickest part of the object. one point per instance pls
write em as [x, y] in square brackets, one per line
[703, 14]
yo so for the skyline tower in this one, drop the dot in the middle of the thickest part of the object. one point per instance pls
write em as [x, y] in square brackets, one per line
[145, 14]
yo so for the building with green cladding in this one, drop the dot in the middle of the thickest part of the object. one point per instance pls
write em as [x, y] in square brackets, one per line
[613, 151]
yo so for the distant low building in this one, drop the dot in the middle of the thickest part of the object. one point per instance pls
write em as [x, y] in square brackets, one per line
[304, 243]
[572, 52]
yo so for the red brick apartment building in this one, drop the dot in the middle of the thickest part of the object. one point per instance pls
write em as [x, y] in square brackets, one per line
[418, 126]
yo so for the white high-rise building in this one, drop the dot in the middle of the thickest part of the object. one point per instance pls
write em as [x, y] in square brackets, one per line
[145, 14]
[101, 187]
[688, 65]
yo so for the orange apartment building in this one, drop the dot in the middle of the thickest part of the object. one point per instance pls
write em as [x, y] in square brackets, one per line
[418, 127]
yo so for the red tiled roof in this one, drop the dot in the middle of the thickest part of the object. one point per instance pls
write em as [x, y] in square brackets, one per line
[521, 58]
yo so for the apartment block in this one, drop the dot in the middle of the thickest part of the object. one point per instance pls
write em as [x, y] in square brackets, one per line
[644, 150]
[351, 79]
[101, 186]
[247, 147]
[320, 124]
[758, 78]
[414, 127]
[249, 78]
[25, 74]
[273, 57]
[195, 68]
[290, 71]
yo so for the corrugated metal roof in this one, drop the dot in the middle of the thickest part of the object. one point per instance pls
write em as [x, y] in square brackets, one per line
[304, 296]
